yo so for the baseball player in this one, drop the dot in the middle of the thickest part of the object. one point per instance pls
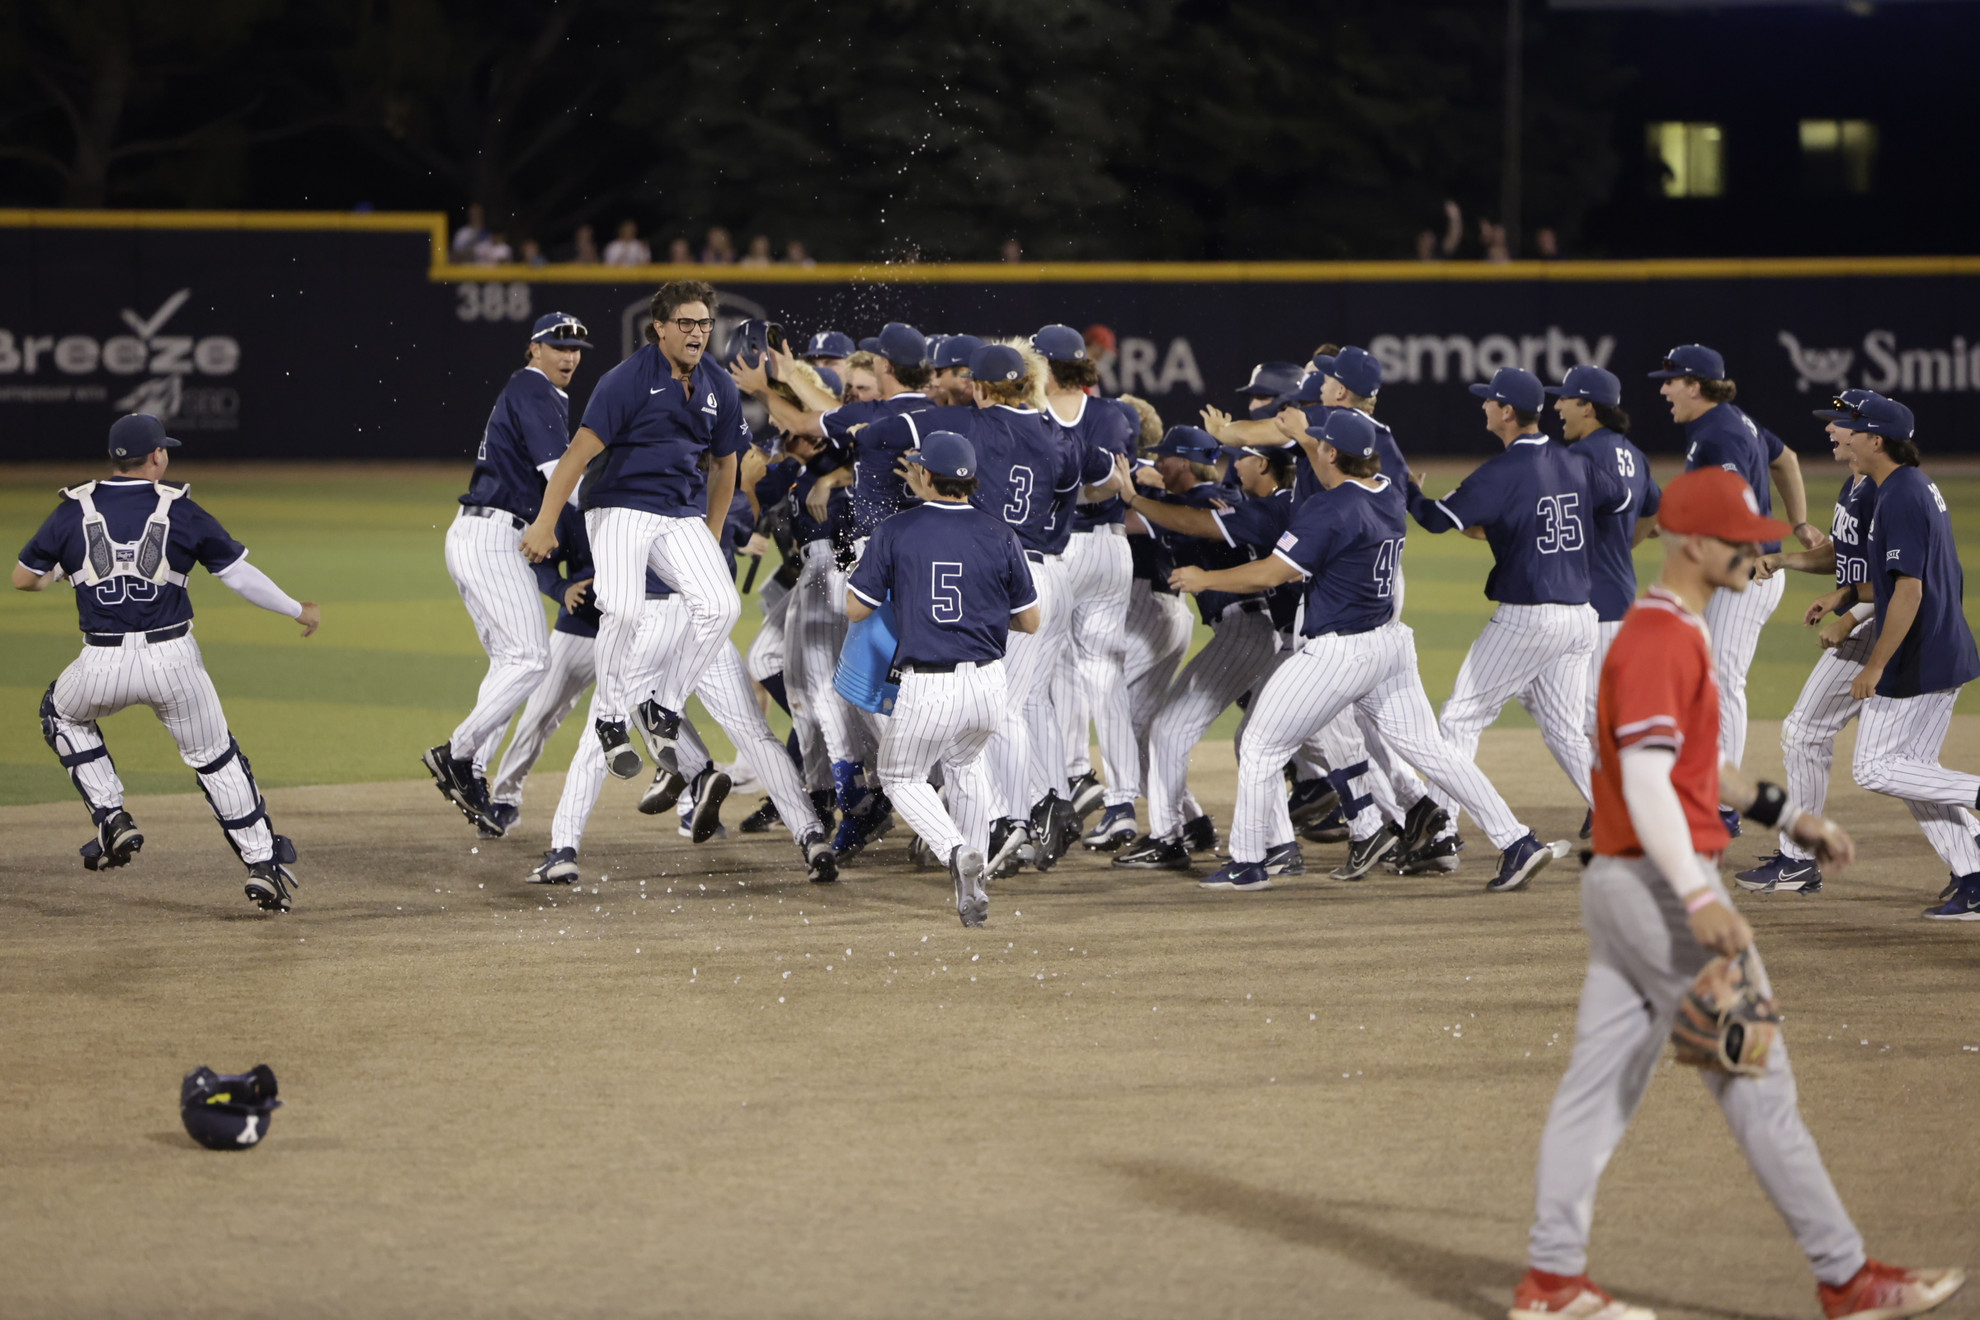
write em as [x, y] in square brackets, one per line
[1532, 503]
[1719, 434]
[828, 350]
[1589, 402]
[948, 361]
[959, 581]
[1825, 706]
[1098, 567]
[128, 541]
[1924, 652]
[1344, 542]
[1657, 914]
[527, 432]
[650, 423]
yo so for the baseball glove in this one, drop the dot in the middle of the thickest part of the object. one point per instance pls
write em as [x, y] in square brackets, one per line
[1724, 1022]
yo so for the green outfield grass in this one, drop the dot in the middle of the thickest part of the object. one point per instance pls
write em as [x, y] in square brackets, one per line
[396, 663]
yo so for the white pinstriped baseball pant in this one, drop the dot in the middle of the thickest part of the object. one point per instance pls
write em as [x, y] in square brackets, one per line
[1733, 620]
[1539, 655]
[1823, 710]
[1234, 661]
[945, 719]
[1605, 637]
[170, 677]
[1349, 739]
[1100, 571]
[485, 559]
[624, 544]
[1158, 635]
[765, 657]
[1897, 753]
[572, 670]
[1642, 959]
[1011, 755]
[814, 631]
[1375, 672]
[1045, 730]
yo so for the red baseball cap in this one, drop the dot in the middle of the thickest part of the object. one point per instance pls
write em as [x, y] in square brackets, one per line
[1714, 501]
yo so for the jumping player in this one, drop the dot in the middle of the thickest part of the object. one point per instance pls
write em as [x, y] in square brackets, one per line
[1719, 434]
[651, 422]
[1657, 913]
[527, 432]
[128, 542]
[959, 581]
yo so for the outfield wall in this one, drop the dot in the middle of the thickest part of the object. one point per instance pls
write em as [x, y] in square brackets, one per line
[326, 335]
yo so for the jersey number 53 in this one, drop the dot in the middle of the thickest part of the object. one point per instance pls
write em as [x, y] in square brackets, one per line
[1560, 527]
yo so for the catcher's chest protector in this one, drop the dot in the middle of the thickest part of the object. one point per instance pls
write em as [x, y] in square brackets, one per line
[143, 558]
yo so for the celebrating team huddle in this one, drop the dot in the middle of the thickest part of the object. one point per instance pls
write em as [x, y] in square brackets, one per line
[987, 569]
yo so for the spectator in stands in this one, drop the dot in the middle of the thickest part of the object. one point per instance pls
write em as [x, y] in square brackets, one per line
[718, 249]
[795, 254]
[1426, 245]
[759, 252]
[493, 250]
[1012, 250]
[680, 253]
[1546, 245]
[585, 249]
[532, 253]
[1453, 229]
[628, 249]
[1492, 237]
[471, 234]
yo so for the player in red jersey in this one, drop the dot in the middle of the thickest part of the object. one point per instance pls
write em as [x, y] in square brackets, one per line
[1657, 913]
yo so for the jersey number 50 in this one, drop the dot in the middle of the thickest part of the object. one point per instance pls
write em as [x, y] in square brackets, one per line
[1560, 529]
[945, 592]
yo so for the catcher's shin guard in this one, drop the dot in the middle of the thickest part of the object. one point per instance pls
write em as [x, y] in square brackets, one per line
[78, 745]
[228, 783]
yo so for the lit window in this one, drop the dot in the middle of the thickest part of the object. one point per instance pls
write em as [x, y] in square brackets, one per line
[1689, 159]
[1838, 155]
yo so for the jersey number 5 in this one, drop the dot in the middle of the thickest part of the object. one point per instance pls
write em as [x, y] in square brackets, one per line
[1018, 508]
[1560, 528]
[945, 592]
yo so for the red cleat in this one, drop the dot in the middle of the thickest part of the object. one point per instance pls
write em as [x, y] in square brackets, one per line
[1543, 1296]
[1884, 1292]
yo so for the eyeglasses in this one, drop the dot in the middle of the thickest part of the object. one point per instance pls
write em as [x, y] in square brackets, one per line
[687, 325]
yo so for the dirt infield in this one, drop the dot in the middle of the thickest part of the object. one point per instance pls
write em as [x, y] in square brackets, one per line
[705, 1088]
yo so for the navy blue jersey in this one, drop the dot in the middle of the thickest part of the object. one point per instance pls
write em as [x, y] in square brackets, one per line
[570, 562]
[1534, 500]
[1257, 525]
[804, 528]
[1082, 465]
[1849, 527]
[656, 431]
[1911, 535]
[1724, 436]
[841, 422]
[956, 576]
[528, 431]
[1612, 532]
[1213, 555]
[1152, 561]
[1347, 543]
[126, 604]
[1115, 437]
[1394, 466]
[878, 491]
[1020, 464]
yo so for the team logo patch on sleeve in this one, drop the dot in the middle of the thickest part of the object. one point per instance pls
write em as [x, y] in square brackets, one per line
[1286, 542]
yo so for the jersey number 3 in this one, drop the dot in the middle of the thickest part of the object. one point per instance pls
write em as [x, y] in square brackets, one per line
[945, 592]
[1560, 528]
[1018, 508]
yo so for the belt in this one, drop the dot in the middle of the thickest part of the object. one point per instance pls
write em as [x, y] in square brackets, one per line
[1109, 527]
[1040, 557]
[487, 511]
[944, 667]
[172, 634]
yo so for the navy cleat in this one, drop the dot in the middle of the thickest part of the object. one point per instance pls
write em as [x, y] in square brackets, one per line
[1421, 824]
[1962, 905]
[660, 724]
[821, 863]
[620, 758]
[1061, 827]
[1116, 827]
[1149, 853]
[1200, 835]
[667, 786]
[1007, 837]
[1779, 873]
[558, 867]
[117, 841]
[966, 872]
[268, 885]
[1588, 824]
[765, 815]
[1088, 794]
[1330, 827]
[711, 786]
[1365, 854]
[1285, 860]
[1437, 857]
[1730, 819]
[1525, 859]
[1244, 876]
[502, 817]
[1311, 800]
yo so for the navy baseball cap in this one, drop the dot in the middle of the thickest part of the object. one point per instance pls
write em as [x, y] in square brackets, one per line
[1190, 442]
[1323, 363]
[945, 454]
[1060, 343]
[1349, 430]
[870, 344]
[138, 433]
[829, 344]
[1867, 410]
[1272, 379]
[1279, 456]
[830, 379]
[1591, 383]
[1517, 389]
[902, 344]
[997, 362]
[560, 330]
[1692, 360]
[1357, 369]
[954, 351]
[1309, 389]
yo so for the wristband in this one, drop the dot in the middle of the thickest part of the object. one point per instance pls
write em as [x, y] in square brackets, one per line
[1704, 898]
[1769, 801]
